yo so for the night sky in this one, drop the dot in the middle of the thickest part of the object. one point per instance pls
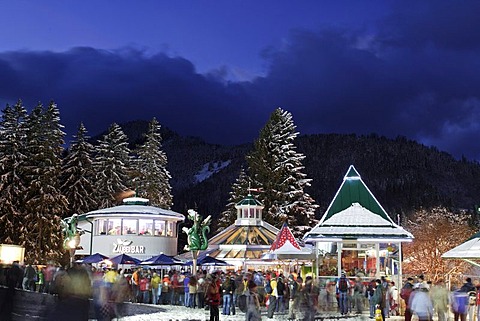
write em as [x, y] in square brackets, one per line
[217, 69]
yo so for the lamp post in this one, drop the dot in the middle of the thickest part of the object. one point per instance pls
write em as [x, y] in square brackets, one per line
[71, 236]
[72, 244]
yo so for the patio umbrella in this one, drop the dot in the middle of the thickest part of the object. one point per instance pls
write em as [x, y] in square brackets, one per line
[124, 259]
[94, 258]
[209, 260]
[161, 259]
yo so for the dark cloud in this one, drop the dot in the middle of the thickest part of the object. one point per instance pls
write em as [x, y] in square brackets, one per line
[100, 87]
[418, 76]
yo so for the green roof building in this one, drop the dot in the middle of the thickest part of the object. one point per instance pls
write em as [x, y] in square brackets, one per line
[356, 234]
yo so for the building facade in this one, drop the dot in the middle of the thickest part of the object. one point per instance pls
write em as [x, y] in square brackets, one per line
[134, 228]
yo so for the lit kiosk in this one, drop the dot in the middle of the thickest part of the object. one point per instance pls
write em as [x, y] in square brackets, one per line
[243, 243]
[356, 235]
[134, 228]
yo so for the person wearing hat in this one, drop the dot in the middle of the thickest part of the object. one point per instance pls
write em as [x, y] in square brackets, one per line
[253, 303]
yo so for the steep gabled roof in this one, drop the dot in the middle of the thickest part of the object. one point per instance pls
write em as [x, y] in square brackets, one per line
[353, 190]
[285, 240]
[355, 213]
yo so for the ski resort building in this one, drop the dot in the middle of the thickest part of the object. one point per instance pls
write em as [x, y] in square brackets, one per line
[356, 235]
[243, 243]
[134, 228]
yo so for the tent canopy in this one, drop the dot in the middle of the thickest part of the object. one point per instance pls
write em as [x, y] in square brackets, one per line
[467, 251]
[124, 259]
[161, 259]
[208, 260]
[94, 258]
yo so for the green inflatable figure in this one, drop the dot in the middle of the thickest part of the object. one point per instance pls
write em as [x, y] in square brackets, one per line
[197, 234]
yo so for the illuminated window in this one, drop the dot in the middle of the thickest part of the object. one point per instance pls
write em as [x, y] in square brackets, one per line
[114, 226]
[102, 227]
[170, 229]
[160, 228]
[145, 227]
[129, 227]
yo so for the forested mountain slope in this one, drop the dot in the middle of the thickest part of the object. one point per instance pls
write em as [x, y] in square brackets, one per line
[402, 174]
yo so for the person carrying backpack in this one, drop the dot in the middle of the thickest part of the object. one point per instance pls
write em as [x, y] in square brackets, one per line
[343, 285]
[272, 301]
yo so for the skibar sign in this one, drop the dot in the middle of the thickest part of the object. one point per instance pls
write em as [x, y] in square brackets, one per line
[126, 247]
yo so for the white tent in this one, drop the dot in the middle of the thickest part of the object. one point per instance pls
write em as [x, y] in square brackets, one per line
[467, 251]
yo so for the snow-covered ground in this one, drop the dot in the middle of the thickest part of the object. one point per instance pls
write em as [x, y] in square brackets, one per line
[179, 313]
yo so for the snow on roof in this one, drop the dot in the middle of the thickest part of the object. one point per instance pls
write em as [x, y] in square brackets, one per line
[135, 210]
[469, 249]
[356, 215]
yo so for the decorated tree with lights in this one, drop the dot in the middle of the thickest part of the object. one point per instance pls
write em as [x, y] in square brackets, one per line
[435, 232]
[152, 168]
[13, 132]
[276, 167]
[78, 175]
[112, 165]
[239, 191]
[44, 202]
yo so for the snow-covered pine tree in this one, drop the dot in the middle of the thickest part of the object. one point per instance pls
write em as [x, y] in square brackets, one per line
[152, 166]
[239, 192]
[276, 167]
[78, 176]
[112, 166]
[44, 204]
[12, 180]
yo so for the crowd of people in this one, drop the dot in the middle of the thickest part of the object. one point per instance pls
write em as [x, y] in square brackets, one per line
[427, 300]
[227, 293]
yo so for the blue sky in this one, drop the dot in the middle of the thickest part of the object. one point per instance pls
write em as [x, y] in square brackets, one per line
[217, 69]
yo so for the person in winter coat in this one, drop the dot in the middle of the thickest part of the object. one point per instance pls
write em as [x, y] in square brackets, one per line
[393, 295]
[378, 297]
[439, 295]
[192, 292]
[293, 291]
[459, 303]
[343, 286]
[421, 304]
[155, 284]
[213, 297]
[358, 290]
[253, 303]
[405, 294]
[469, 288]
[166, 287]
[201, 288]
[280, 295]
[227, 291]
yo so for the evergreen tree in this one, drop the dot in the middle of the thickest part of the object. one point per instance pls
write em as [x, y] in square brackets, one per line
[152, 166]
[12, 180]
[239, 192]
[276, 167]
[44, 203]
[112, 166]
[78, 175]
